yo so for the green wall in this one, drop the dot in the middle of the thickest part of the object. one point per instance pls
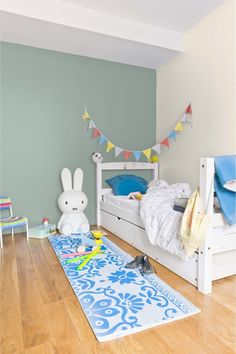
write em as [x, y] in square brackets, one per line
[43, 97]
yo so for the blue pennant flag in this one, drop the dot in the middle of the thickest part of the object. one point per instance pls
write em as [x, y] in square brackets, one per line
[102, 140]
[172, 135]
[137, 155]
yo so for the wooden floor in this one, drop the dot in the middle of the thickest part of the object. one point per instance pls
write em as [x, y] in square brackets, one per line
[41, 315]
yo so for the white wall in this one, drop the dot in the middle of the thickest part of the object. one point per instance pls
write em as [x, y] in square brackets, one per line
[204, 75]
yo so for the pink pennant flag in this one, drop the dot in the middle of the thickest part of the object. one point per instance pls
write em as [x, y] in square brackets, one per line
[127, 154]
[95, 133]
[165, 142]
[189, 109]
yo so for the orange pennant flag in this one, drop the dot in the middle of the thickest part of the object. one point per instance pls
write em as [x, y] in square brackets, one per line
[189, 109]
[127, 154]
[165, 142]
[95, 133]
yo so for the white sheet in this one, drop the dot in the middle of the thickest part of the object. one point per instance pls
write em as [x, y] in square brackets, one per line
[161, 222]
[123, 201]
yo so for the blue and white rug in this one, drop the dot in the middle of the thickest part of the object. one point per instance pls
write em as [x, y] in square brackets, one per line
[118, 301]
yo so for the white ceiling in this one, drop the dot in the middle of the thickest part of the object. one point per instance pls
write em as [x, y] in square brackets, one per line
[138, 32]
[76, 41]
[173, 15]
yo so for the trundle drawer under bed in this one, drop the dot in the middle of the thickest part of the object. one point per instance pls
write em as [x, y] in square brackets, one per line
[137, 237]
[223, 259]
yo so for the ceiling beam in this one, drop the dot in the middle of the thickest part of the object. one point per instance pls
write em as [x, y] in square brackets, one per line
[77, 17]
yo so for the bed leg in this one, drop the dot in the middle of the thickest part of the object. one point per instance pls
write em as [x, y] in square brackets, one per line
[98, 191]
[205, 269]
[98, 218]
[205, 250]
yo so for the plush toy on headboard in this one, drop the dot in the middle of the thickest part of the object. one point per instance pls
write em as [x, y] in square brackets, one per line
[72, 203]
[97, 157]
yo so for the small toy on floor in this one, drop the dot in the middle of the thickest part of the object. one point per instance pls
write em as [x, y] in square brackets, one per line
[45, 221]
[85, 248]
[42, 231]
[141, 262]
[97, 234]
[69, 255]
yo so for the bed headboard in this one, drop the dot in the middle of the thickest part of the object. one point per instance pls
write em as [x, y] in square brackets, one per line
[118, 166]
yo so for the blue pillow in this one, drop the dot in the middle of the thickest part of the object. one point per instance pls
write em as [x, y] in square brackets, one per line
[125, 184]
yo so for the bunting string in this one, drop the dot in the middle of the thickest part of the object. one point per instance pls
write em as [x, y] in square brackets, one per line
[154, 150]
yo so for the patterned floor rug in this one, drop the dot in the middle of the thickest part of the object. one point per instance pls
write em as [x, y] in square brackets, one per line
[117, 301]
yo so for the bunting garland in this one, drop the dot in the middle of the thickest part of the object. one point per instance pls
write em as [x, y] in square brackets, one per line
[137, 155]
[91, 124]
[85, 114]
[95, 133]
[127, 154]
[110, 146]
[157, 148]
[165, 142]
[149, 152]
[172, 135]
[178, 127]
[102, 140]
[117, 151]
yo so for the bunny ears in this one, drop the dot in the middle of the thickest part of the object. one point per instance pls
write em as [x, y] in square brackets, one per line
[66, 179]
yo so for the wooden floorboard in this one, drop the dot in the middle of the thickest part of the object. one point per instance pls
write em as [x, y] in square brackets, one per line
[10, 321]
[35, 329]
[40, 313]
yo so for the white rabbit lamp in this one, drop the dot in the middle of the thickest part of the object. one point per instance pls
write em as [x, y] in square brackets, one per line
[72, 203]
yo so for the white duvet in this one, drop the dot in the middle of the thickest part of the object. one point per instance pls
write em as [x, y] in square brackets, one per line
[161, 222]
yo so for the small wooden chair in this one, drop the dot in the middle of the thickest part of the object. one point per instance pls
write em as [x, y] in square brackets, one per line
[11, 222]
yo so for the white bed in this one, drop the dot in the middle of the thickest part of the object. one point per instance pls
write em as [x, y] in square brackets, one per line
[216, 257]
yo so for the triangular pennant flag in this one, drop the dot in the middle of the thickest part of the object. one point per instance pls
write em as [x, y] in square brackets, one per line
[178, 127]
[117, 151]
[95, 133]
[172, 135]
[147, 153]
[157, 148]
[184, 118]
[110, 146]
[189, 109]
[85, 115]
[127, 154]
[91, 124]
[137, 155]
[102, 140]
[165, 142]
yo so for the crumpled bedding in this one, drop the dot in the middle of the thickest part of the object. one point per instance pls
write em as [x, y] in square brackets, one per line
[161, 222]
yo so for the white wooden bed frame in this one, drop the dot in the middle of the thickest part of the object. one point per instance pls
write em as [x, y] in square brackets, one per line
[215, 259]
